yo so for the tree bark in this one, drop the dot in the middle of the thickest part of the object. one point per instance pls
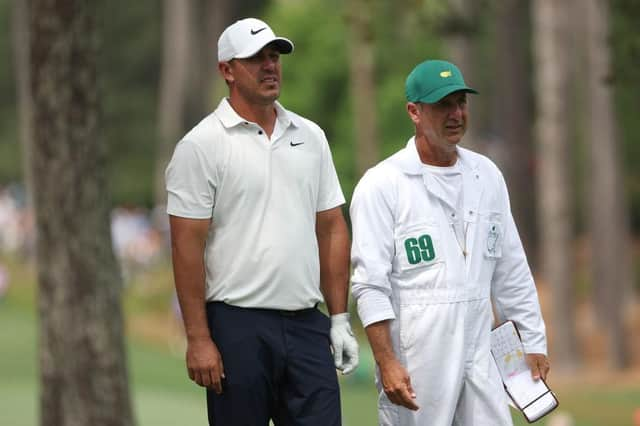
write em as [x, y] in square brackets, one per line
[82, 354]
[609, 224]
[174, 72]
[511, 117]
[460, 32]
[361, 79]
[551, 56]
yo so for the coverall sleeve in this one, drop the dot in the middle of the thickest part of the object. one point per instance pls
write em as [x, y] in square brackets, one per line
[513, 290]
[372, 248]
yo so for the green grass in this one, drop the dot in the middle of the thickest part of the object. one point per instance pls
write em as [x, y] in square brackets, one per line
[164, 396]
[162, 393]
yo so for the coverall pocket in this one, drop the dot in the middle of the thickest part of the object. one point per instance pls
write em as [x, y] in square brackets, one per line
[492, 234]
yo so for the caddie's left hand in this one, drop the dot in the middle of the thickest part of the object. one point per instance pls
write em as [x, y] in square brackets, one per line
[345, 345]
[539, 365]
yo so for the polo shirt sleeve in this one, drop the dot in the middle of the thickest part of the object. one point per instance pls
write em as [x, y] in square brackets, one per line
[191, 182]
[330, 193]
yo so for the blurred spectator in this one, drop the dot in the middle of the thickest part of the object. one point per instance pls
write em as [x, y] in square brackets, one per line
[139, 237]
[136, 242]
[16, 222]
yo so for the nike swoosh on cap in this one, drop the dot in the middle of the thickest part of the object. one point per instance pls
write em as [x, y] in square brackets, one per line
[254, 32]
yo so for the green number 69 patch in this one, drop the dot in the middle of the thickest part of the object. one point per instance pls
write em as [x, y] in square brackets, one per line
[419, 249]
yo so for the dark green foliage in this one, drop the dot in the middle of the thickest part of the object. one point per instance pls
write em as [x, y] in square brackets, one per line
[316, 79]
[316, 76]
[129, 67]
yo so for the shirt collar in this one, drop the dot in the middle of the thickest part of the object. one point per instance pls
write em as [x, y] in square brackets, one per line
[230, 118]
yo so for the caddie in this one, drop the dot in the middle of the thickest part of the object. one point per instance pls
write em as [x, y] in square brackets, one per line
[434, 246]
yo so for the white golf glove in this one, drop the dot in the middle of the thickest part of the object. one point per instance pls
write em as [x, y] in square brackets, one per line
[345, 345]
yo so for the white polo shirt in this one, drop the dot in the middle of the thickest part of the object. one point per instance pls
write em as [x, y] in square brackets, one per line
[262, 196]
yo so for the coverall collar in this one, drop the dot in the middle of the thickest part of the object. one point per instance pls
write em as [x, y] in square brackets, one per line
[409, 162]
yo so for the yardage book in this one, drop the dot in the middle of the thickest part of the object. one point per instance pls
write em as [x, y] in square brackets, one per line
[533, 398]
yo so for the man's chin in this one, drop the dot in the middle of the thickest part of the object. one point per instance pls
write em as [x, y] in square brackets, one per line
[454, 139]
[270, 96]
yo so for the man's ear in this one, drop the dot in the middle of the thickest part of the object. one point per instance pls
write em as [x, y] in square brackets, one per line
[414, 110]
[225, 70]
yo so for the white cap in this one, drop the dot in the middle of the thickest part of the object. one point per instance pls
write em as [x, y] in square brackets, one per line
[246, 37]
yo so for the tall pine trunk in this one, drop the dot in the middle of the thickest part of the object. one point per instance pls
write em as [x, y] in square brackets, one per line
[608, 221]
[460, 35]
[82, 354]
[361, 81]
[174, 72]
[511, 115]
[551, 55]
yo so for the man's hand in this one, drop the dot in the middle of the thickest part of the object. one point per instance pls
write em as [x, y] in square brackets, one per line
[539, 365]
[397, 384]
[204, 363]
[345, 345]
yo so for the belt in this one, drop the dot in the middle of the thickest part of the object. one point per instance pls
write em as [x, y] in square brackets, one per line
[283, 312]
[295, 313]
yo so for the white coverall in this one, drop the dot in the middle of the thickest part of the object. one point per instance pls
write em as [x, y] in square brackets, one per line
[410, 269]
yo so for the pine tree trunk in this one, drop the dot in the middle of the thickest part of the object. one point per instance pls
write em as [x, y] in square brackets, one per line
[551, 56]
[176, 56]
[609, 224]
[460, 36]
[512, 115]
[361, 80]
[82, 354]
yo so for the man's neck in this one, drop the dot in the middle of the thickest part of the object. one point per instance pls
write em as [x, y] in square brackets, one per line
[435, 155]
[263, 115]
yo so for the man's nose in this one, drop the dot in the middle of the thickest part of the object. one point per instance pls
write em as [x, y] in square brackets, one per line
[456, 112]
[269, 63]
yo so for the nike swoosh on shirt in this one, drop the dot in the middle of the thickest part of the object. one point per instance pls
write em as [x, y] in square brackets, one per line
[295, 144]
[254, 32]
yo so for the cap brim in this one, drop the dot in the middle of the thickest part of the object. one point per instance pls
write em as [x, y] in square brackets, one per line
[440, 93]
[283, 45]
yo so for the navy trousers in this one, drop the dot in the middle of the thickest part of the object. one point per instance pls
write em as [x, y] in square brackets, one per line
[278, 366]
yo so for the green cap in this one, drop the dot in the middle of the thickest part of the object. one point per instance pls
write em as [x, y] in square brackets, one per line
[432, 80]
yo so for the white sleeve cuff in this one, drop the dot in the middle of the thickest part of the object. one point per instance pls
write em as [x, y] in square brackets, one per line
[373, 306]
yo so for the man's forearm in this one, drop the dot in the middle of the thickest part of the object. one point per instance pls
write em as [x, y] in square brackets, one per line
[187, 250]
[379, 337]
[334, 276]
[333, 246]
[190, 284]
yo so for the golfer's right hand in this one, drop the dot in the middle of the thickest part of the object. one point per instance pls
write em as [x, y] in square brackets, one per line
[397, 384]
[204, 363]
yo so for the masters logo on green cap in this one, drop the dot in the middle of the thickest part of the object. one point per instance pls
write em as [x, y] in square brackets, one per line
[432, 80]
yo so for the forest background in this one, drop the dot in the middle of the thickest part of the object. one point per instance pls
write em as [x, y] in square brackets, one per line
[557, 111]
